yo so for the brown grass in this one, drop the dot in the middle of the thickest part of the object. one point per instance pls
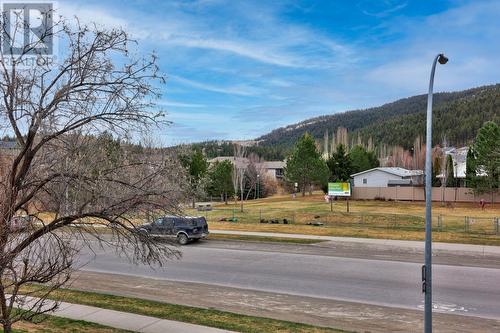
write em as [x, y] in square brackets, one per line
[371, 219]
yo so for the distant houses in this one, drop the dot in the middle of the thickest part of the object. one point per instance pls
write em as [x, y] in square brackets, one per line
[274, 170]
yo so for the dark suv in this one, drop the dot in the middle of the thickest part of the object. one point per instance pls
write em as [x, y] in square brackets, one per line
[185, 229]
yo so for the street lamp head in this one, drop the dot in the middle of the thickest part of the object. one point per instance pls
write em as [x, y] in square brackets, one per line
[442, 59]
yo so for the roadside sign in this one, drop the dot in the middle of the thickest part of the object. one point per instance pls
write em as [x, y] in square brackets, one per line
[339, 189]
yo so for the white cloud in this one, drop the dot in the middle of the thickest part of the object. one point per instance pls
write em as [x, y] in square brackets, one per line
[243, 90]
[180, 104]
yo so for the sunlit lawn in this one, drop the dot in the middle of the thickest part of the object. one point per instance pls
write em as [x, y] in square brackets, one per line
[374, 219]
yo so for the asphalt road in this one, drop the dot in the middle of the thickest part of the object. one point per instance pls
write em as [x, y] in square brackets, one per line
[457, 289]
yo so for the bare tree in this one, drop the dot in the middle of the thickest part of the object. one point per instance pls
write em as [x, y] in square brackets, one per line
[253, 173]
[239, 167]
[56, 111]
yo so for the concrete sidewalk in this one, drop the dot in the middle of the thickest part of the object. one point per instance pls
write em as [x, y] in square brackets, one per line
[483, 249]
[124, 320]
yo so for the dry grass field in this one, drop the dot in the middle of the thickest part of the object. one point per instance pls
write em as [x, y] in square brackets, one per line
[372, 219]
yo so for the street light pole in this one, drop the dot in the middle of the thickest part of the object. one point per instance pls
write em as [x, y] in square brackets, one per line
[258, 186]
[427, 268]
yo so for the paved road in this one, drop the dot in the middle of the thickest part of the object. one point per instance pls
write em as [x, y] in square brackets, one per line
[457, 289]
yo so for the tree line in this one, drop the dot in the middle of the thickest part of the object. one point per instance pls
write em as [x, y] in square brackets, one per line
[306, 166]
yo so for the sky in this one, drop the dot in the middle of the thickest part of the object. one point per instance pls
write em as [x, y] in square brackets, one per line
[239, 69]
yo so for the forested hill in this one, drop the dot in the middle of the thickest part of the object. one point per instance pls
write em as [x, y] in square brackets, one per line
[457, 117]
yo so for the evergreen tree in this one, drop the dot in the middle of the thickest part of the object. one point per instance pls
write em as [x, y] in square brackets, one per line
[220, 181]
[340, 165]
[450, 174]
[470, 167]
[487, 151]
[362, 160]
[436, 169]
[196, 166]
[305, 165]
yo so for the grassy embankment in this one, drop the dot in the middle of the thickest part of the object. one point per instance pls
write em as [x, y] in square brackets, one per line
[54, 324]
[200, 316]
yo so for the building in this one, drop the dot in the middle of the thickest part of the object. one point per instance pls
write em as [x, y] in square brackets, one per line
[459, 158]
[387, 177]
[273, 169]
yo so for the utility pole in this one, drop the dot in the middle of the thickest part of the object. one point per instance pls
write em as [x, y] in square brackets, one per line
[427, 268]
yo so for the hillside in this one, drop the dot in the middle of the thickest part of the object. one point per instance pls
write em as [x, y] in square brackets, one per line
[457, 116]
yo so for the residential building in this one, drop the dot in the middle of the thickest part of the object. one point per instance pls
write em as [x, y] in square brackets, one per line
[459, 158]
[272, 169]
[387, 177]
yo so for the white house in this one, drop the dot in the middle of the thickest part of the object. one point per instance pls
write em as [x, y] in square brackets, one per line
[388, 176]
[459, 158]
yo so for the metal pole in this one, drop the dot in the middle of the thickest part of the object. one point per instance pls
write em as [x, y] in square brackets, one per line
[258, 186]
[427, 269]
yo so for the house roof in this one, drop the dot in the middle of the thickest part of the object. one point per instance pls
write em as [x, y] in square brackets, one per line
[273, 165]
[401, 172]
[242, 162]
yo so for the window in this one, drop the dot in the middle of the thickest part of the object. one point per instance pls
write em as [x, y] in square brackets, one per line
[169, 222]
[365, 181]
[159, 221]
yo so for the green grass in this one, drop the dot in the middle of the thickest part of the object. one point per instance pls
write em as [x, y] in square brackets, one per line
[188, 314]
[53, 324]
[263, 239]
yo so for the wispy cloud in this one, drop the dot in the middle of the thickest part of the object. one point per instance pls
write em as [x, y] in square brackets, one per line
[380, 8]
[240, 48]
[180, 104]
[271, 63]
[243, 90]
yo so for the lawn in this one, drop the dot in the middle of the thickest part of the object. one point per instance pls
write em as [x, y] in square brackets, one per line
[52, 324]
[188, 314]
[372, 219]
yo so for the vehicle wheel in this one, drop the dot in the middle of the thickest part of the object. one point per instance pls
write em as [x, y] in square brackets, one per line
[144, 232]
[182, 239]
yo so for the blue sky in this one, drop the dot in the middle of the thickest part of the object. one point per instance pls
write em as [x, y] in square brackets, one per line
[238, 69]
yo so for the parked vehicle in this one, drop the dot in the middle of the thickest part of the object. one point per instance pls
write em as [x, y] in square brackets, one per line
[183, 228]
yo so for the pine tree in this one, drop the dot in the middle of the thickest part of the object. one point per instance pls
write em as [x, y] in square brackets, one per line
[487, 150]
[305, 165]
[470, 167]
[340, 165]
[450, 174]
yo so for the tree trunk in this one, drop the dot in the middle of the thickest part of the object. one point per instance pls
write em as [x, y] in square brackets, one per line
[303, 189]
[310, 189]
[7, 327]
[194, 202]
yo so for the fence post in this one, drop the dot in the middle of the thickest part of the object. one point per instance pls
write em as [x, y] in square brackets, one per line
[466, 224]
[497, 222]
